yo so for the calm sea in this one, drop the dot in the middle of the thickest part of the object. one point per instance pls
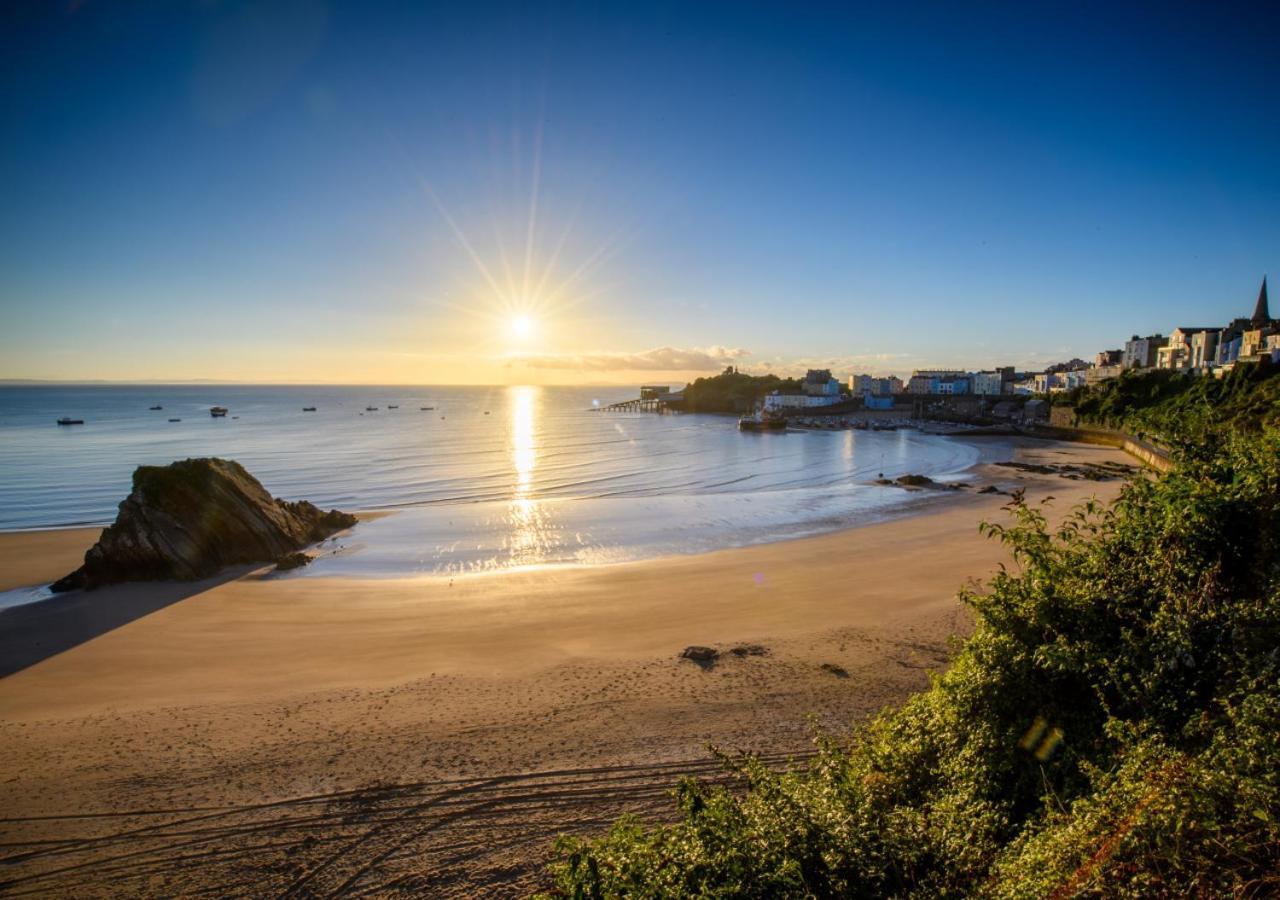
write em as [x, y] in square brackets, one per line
[487, 478]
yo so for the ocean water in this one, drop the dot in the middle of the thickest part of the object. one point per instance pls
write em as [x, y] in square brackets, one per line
[490, 478]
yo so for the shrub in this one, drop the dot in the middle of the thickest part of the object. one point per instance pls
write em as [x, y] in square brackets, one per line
[1107, 730]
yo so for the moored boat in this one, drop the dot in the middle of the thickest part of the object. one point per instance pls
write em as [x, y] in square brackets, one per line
[157, 407]
[308, 409]
[217, 411]
[761, 422]
[66, 421]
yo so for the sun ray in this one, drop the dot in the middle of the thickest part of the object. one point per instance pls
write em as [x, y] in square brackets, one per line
[549, 268]
[535, 185]
[462, 238]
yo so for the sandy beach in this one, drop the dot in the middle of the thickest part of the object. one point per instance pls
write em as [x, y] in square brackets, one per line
[319, 736]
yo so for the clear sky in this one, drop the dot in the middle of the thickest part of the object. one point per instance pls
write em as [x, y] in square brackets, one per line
[549, 193]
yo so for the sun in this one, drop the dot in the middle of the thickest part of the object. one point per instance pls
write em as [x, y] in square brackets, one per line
[521, 326]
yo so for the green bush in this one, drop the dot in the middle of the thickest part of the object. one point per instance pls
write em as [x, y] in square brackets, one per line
[1188, 411]
[734, 392]
[1107, 730]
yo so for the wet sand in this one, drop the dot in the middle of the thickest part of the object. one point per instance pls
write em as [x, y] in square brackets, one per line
[385, 721]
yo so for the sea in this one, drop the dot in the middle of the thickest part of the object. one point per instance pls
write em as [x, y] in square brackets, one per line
[476, 479]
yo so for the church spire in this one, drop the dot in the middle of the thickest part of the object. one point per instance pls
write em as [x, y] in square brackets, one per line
[1261, 315]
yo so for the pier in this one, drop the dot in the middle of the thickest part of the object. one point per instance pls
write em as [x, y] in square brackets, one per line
[653, 398]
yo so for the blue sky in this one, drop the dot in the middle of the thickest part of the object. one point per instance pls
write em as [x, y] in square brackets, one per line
[310, 191]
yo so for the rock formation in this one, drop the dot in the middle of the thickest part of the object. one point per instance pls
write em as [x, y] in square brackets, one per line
[189, 519]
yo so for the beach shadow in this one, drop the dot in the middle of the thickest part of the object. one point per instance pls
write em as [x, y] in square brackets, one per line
[33, 632]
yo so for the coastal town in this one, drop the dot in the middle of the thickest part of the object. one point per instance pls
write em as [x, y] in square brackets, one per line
[1002, 394]
[1202, 350]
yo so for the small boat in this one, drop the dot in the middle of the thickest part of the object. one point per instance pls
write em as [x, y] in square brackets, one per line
[308, 409]
[157, 407]
[427, 408]
[762, 423]
[371, 409]
[392, 406]
[217, 411]
[65, 421]
[175, 420]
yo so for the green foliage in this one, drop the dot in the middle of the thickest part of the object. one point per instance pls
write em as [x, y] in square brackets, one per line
[1107, 730]
[1188, 411]
[734, 392]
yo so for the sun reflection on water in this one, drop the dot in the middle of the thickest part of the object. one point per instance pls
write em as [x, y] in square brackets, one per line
[527, 543]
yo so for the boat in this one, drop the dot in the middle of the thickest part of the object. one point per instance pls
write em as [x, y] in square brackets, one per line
[762, 422]
[175, 420]
[308, 409]
[392, 406]
[371, 409]
[217, 411]
[65, 421]
[426, 408]
[157, 407]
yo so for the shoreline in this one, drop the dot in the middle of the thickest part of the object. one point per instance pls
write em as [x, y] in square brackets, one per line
[31, 558]
[248, 691]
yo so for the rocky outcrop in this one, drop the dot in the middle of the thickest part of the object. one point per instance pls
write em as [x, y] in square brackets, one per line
[295, 560]
[915, 480]
[191, 518]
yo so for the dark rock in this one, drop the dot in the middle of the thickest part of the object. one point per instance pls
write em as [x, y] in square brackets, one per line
[990, 489]
[189, 519]
[750, 650]
[835, 670]
[294, 560]
[704, 656]
[1035, 468]
[914, 480]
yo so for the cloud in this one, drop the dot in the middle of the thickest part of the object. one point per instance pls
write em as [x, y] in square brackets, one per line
[666, 359]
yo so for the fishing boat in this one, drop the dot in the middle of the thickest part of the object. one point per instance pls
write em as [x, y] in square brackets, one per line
[65, 421]
[156, 407]
[308, 409]
[217, 411]
[392, 406]
[175, 420]
[371, 409]
[762, 422]
[426, 408]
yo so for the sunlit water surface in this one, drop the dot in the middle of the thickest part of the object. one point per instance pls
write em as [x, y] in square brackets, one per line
[489, 478]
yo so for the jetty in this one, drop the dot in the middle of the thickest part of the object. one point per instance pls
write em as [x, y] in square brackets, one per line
[653, 398]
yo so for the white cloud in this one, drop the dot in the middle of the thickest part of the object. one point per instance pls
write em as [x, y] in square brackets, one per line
[666, 359]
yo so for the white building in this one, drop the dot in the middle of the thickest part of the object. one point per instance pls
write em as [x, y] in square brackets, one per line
[988, 383]
[775, 401]
[1140, 352]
